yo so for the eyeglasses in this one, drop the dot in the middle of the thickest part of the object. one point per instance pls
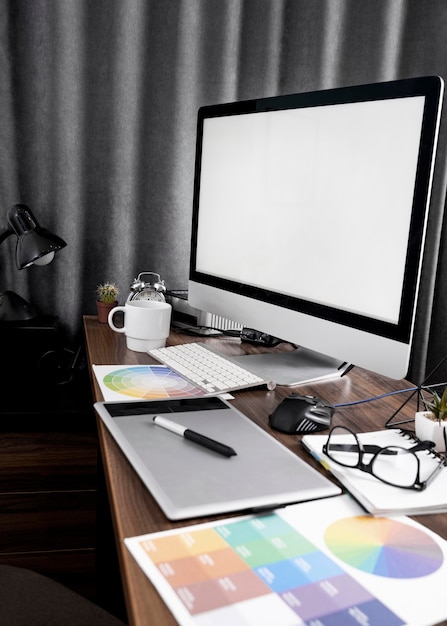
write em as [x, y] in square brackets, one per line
[393, 465]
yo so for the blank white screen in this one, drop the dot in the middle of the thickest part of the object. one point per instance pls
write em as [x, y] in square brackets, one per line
[314, 202]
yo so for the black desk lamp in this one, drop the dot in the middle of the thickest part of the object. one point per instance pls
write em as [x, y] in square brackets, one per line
[35, 245]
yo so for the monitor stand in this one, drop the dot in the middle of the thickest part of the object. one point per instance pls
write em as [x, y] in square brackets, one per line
[293, 368]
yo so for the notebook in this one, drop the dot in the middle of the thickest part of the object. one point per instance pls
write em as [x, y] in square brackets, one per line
[188, 480]
[377, 497]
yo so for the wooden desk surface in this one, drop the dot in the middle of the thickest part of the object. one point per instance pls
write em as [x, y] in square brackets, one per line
[135, 512]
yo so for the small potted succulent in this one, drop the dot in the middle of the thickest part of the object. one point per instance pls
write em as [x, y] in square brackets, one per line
[106, 299]
[431, 424]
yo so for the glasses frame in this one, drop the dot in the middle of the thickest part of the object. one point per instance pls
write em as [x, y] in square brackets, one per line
[368, 467]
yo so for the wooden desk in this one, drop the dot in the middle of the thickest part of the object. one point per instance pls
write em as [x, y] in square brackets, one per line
[133, 509]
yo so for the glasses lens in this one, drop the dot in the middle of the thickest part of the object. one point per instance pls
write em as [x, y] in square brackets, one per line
[396, 466]
[342, 447]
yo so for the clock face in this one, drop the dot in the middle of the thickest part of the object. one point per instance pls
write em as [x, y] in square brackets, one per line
[147, 294]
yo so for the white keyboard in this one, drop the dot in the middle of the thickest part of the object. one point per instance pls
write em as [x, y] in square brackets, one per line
[206, 369]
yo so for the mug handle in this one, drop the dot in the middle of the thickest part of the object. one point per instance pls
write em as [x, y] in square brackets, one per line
[118, 329]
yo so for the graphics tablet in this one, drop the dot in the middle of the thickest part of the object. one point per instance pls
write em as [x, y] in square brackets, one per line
[189, 480]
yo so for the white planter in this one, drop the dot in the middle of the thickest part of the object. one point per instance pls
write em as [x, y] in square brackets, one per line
[431, 430]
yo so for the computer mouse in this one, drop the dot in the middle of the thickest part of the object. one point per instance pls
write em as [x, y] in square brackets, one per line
[301, 414]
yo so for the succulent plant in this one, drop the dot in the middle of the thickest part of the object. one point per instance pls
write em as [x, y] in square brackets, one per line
[107, 292]
[437, 405]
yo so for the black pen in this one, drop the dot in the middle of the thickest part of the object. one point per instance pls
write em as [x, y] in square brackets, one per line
[192, 435]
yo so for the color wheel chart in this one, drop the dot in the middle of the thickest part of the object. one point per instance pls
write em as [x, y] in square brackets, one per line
[264, 570]
[384, 547]
[143, 382]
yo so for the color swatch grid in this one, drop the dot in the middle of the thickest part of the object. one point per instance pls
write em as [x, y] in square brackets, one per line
[244, 572]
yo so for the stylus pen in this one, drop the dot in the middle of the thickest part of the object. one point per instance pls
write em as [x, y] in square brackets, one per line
[187, 433]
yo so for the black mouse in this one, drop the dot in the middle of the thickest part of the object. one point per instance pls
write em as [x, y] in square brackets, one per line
[301, 414]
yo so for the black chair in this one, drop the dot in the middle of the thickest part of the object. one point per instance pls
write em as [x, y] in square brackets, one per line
[30, 599]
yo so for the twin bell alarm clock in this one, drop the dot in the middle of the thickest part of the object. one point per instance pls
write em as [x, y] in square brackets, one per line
[147, 286]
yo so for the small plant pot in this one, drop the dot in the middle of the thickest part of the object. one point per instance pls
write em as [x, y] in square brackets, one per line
[429, 429]
[103, 309]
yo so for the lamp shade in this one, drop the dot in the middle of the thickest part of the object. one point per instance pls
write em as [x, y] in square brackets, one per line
[35, 245]
[33, 241]
[14, 308]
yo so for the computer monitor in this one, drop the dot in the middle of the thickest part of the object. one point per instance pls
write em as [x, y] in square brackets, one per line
[309, 218]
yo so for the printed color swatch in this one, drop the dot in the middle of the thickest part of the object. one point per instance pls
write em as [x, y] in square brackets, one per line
[245, 572]
[148, 382]
[384, 547]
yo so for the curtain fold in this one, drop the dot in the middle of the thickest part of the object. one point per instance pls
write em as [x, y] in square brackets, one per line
[98, 109]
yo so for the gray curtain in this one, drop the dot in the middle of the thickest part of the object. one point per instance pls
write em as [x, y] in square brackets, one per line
[98, 105]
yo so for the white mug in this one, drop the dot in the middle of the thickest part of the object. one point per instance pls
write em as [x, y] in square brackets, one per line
[146, 324]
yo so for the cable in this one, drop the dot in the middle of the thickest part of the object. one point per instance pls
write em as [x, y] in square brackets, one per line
[384, 395]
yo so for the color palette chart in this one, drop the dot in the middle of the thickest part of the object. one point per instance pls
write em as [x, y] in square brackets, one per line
[384, 547]
[287, 568]
[143, 382]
